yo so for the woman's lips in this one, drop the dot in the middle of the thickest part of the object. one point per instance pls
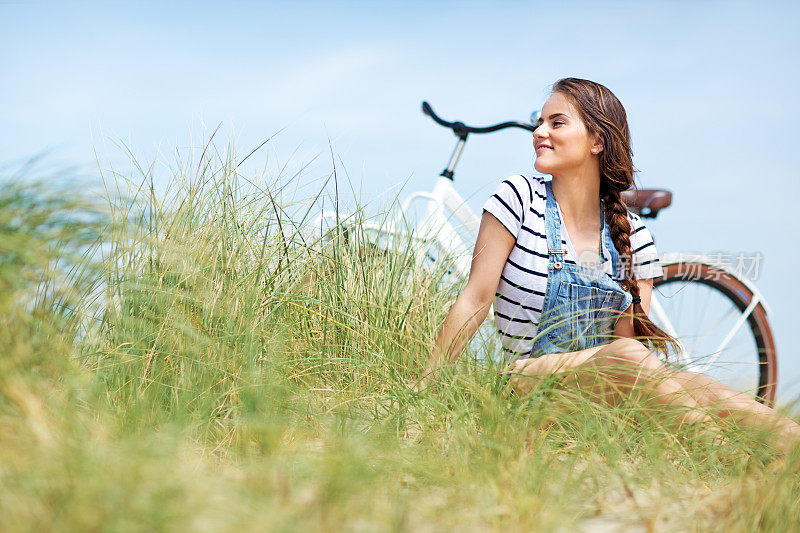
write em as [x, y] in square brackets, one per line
[543, 147]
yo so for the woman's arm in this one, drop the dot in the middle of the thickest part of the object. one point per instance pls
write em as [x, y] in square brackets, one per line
[624, 326]
[492, 247]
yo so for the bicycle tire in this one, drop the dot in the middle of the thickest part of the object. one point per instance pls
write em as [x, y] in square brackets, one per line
[740, 296]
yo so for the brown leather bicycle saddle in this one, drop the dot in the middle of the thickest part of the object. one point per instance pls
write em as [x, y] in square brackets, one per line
[647, 202]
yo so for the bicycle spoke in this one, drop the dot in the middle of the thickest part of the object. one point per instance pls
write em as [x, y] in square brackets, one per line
[714, 333]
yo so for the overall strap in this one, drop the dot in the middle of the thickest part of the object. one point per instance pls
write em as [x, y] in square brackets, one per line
[608, 242]
[552, 222]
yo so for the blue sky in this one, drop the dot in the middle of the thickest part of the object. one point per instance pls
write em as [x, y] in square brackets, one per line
[710, 89]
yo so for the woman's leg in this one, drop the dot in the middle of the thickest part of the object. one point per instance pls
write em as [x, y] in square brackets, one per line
[626, 363]
[611, 371]
[675, 387]
[619, 367]
[728, 403]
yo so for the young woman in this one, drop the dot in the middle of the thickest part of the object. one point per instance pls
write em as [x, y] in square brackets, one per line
[570, 271]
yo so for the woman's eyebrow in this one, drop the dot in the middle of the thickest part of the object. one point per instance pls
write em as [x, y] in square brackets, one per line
[554, 115]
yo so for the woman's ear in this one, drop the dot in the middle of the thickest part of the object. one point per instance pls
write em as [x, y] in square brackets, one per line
[597, 147]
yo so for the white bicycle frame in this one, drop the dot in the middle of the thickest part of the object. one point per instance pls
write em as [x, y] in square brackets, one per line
[436, 226]
[454, 234]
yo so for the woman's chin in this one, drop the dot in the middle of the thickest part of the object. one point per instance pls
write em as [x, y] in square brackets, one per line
[541, 166]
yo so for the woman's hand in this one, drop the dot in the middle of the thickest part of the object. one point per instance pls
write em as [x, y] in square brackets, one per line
[428, 377]
[522, 370]
[519, 382]
[419, 385]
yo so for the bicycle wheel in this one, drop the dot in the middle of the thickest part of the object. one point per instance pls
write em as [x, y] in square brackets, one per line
[723, 330]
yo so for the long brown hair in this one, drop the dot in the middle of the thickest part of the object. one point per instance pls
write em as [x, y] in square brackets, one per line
[603, 115]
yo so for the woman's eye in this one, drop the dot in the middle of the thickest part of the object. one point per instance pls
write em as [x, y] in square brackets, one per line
[558, 122]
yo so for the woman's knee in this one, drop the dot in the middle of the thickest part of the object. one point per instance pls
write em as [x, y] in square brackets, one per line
[625, 349]
[627, 352]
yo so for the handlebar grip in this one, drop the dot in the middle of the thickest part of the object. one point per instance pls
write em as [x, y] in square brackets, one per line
[426, 108]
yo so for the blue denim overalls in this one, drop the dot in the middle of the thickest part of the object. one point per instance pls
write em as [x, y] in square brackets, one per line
[581, 305]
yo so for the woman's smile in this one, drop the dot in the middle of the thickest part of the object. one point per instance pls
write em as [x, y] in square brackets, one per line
[560, 124]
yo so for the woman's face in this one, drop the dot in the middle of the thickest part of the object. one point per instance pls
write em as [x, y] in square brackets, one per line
[561, 140]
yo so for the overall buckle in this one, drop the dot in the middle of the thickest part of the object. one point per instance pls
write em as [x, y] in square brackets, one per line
[558, 263]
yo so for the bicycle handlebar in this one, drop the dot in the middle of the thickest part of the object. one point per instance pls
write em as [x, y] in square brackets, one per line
[461, 130]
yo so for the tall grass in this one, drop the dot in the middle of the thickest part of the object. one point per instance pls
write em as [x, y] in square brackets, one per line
[203, 359]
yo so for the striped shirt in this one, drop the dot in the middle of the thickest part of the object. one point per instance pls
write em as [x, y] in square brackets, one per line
[519, 204]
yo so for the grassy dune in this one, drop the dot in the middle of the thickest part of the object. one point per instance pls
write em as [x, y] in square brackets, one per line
[201, 360]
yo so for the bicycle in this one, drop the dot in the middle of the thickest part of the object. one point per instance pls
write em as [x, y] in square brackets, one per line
[713, 340]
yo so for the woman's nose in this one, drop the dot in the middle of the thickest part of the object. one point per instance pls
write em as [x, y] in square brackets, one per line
[540, 131]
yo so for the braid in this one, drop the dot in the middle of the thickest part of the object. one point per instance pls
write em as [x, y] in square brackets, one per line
[616, 214]
[619, 227]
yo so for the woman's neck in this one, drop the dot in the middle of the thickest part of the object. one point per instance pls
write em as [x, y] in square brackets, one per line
[578, 195]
